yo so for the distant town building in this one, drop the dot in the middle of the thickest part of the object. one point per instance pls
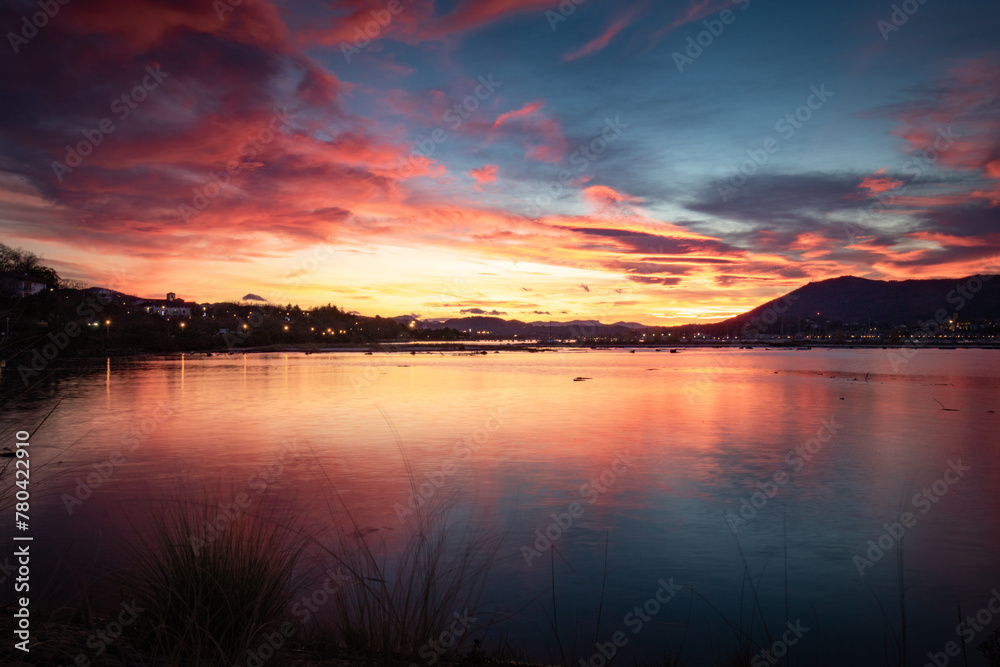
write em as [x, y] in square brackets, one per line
[108, 295]
[20, 285]
[169, 307]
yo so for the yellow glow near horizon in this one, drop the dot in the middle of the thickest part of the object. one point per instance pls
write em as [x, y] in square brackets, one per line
[391, 280]
[432, 282]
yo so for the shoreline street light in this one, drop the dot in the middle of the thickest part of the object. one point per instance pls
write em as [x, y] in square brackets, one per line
[107, 327]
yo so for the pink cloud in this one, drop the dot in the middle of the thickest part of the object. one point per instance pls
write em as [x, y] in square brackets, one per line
[541, 136]
[992, 195]
[485, 174]
[389, 64]
[142, 25]
[959, 123]
[602, 40]
[415, 24]
[474, 14]
[696, 10]
[876, 183]
[527, 110]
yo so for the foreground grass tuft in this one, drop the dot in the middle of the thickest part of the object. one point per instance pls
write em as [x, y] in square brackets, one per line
[209, 591]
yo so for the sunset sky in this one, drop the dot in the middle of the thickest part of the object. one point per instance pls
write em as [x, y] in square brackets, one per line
[515, 157]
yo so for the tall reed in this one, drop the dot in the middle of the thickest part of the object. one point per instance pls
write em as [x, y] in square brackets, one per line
[415, 597]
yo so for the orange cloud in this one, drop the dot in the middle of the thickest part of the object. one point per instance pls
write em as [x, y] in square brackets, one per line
[952, 240]
[602, 194]
[811, 245]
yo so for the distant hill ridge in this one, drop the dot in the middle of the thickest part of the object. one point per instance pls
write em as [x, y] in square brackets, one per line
[862, 300]
[847, 299]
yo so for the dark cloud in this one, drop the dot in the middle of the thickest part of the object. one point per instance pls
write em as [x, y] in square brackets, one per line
[963, 220]
[781, 202]
[643, 242]
[480, 311]
[774, 210]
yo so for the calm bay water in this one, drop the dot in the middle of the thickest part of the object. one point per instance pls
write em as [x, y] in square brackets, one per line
[658, 449]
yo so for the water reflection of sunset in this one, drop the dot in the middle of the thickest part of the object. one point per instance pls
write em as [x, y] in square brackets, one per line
[513, 440]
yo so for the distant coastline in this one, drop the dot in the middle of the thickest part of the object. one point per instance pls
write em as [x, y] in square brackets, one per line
[53, 327]
[397, 347]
